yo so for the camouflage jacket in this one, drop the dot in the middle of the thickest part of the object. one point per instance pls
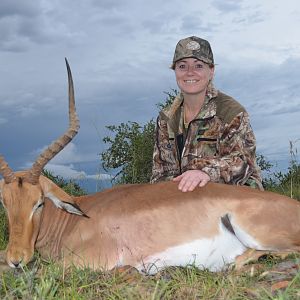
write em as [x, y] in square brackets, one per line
[220, 142]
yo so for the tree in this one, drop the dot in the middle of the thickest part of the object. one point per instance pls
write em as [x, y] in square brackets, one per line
[131, 148]
[287, 183]
[130, 152]
[169, 100]
[69, 186]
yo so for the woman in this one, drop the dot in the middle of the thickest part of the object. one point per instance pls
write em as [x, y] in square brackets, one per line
[204, 135]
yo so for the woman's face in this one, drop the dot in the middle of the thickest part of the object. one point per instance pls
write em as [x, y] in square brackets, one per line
[193, 75]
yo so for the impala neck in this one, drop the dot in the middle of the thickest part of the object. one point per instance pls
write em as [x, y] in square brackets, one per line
[53, 229]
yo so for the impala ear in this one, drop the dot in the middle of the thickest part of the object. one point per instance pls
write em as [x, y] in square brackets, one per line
[70, 207]
[59, 197]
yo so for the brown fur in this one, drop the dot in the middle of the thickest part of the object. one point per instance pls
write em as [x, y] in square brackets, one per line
[132, 222]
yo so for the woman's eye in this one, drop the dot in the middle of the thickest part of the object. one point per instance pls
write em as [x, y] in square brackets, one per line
[198, 66]
[182, 67]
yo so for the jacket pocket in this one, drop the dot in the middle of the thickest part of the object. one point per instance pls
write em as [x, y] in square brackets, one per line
[206, 147]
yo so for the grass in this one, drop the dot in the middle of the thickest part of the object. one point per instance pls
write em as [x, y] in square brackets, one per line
[285, 183]
[51, 281]
[3, 228]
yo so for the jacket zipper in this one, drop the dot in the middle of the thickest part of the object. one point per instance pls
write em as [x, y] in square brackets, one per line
[180, 157]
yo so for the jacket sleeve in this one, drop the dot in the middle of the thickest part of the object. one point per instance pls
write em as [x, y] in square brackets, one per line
[235, 162]
[165, 165]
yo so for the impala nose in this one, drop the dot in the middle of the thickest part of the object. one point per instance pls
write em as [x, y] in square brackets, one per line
[16, 264]
[16, 257]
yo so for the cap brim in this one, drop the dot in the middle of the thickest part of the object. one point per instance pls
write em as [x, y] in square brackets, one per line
[203, 59]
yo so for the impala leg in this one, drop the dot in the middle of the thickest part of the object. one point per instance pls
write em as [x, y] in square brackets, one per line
[248, 256]
[127, 273]
[251, 255]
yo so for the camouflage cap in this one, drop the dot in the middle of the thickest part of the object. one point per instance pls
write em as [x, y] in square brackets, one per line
[193, 47]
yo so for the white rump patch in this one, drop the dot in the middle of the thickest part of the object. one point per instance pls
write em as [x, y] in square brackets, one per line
[213, 254]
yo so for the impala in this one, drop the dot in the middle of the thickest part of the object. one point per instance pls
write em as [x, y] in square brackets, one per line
[145, 226]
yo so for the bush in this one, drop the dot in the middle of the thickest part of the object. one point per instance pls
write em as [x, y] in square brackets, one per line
[130, 152]
[285, 183]
[130, 148]
[69, 186]
[3, 228]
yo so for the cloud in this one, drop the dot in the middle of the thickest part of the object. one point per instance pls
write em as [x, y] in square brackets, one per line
[19, 22]
[108, 4]
[3, 120]
[68, 163]
[267, 89]
[250, 19]
[192, 23]
[69, 172]
[228, 5]
[18, 8]
[270, 93]
[23, 24]
[70, 154]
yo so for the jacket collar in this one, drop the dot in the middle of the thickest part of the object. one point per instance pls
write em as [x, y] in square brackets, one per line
[172, 113]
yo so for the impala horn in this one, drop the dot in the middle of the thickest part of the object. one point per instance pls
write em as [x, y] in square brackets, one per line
[61, 142]
[6, 171]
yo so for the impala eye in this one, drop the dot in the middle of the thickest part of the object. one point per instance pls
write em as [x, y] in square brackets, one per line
[36, 208]
[40, 205]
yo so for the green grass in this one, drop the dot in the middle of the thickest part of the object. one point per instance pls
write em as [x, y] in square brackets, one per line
[3, 228]
[50, 281]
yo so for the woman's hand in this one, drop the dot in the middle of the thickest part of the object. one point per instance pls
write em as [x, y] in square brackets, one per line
[189, 180]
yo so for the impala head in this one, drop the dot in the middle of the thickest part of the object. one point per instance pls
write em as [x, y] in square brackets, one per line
[23, 203]
[23, 193]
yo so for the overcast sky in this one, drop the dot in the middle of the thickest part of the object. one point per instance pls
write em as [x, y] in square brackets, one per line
[120, 53]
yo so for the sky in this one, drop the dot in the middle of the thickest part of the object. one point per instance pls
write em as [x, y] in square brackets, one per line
[120, 53]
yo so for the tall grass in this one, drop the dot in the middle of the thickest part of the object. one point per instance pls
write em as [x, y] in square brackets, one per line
[287, 183]
[3, 228]
[51, 281]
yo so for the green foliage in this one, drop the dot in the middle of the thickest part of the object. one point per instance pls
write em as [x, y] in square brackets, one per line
[3, 228]
[285, 183]
[169, 100]
[263, 163]
[69, 186]
[130, 148]
[130, 151]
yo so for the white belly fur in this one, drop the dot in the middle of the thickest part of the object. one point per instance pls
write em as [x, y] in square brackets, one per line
[213, 254]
